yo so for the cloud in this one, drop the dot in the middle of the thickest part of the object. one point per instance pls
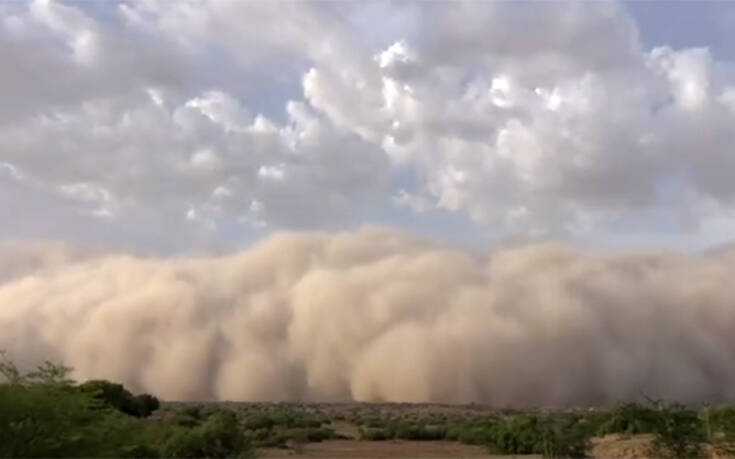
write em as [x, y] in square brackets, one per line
[379, 315]
[552, 120]
[120, 155]
[127, 143]
[570, 123]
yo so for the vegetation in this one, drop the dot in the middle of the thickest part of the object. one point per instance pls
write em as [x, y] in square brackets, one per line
[219, 435]
[675, 429]
[630, 419]
[551, 436]
[119, 398]
[43, 413]
[679, 432]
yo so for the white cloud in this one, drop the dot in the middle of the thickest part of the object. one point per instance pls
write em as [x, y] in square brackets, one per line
[10, 171]
[221, 109]
[101, 200]
[205, 158]
[569, 124]
[271, 172]
[554, 118]
[80, 31]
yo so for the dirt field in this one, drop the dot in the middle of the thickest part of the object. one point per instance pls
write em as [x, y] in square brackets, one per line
[380, 449]
[612, 446]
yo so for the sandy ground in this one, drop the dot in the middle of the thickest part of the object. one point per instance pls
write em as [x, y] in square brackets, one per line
[623, 446]
[353, 449]
[610, 446]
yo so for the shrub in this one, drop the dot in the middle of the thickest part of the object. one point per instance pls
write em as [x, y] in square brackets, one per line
[550, 436]
[631, 418]
[721, 420]
[218, 436]
[419, 432]
[54, 421]
[679, 432]
[43, 415]
[145, 404]
[139, 452]
[259, 422]
[516, 435]
[564, 437]
[119, 398]
[184, 420]
[471, 433]
[375, 434]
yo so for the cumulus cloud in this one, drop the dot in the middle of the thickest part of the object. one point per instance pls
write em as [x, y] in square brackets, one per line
[379, 315]
[575, 125]
[117, 156]
[121, 141]
[553, 120]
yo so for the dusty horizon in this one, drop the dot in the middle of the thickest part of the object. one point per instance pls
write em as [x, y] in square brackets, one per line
[381, 315]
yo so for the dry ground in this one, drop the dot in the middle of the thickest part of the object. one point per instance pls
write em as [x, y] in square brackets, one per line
[610, 446]
[380, 449]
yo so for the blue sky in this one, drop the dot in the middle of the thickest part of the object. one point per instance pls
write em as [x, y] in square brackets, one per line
[687, 24]
[208, 125]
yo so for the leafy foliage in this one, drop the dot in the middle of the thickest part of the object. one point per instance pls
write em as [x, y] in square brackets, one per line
[43, 414]
[721, 419]
[550, 436]
[218, 436]
[52, 421]
[679, 432]
[631, 418]
[119, 398]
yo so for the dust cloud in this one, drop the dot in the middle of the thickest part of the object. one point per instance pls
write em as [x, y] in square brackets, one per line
[380, 315]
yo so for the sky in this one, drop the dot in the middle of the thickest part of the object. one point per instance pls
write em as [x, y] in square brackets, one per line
[176, 127]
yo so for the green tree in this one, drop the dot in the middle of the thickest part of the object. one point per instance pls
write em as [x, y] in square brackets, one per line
[119, 398]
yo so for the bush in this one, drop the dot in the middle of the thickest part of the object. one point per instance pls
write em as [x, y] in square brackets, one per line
[146, 404]
[54, 421]
[218, 436]
[375, 434]
[721, 420]
[564, 437]
[679, 432]
[308, 434]
[259, 422]
[419, 432]
[471, 433]
[516, 435]
[119, 398]
[549, 436]
[631, 418]
[139, 452]
[44, 415]
[190, 416]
